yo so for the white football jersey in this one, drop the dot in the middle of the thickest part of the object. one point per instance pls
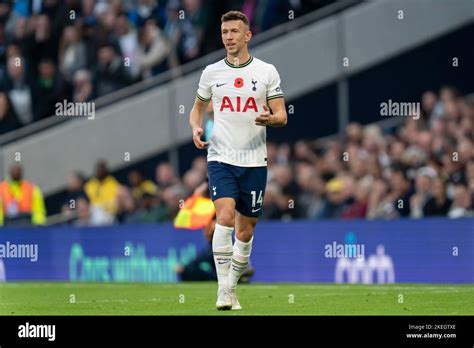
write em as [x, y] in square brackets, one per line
[238, 93]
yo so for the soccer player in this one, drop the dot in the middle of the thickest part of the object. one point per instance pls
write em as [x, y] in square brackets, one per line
[247, 97]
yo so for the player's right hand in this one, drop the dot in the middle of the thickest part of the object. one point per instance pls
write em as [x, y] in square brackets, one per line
[197, 133]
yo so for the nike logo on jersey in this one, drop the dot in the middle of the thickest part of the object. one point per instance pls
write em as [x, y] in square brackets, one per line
[255, 210]
[220, 84]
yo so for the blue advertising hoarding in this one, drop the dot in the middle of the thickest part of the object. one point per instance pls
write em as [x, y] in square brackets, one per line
[356, 251]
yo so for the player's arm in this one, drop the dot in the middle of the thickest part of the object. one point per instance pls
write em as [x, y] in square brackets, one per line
[195, 121]
[203, 97]
[276, 101]
[278, 117]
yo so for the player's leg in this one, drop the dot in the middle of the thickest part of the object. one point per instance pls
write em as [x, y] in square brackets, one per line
[222, 239]
[249, 207]
[223, 189]
[244, 229]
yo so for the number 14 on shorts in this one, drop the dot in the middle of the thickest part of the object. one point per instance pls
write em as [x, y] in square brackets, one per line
[255, 200]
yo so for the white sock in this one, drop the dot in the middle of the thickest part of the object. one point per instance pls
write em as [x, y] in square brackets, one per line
[240, 260]
[222, 250]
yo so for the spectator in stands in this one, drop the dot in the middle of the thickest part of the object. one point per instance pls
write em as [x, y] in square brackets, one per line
[125, 204]
[289, 191]
[173, 31]
[82, 86]
[154, 50]
[20, 33]
[303, 153]
[470, 177]
[146, 9]
[192, 30]
[438, 204]
[19, 90]
[173, 196]
[380, 204]
[317, 200]
[273, 205]
[90, 38]
[74, 191]
[200, 166]
[358, 209]
[452, 170]
[7, 16]
[107, 20]
[50, 89]
[191, 180]
[339, 197]
[21, 201]
[354, 133]
[62, 18]
[128, 41]
[428, 103]
[102, 191]
[283, 154]
[151, 210]
[42, 43]
[423, 186]
[110, 73]
[8, 119]
[140, 185]
[400, 192]
[83, 215]
[165, 176]
[72, 53]
[272, 149]
[311, 197]
[462, 203]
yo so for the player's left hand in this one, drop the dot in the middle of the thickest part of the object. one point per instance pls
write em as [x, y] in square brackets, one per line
[265, 119]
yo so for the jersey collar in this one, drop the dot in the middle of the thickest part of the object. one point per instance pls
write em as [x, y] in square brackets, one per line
[239, 66]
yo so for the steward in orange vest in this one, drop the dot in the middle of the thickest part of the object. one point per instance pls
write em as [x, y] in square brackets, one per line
[21, 202]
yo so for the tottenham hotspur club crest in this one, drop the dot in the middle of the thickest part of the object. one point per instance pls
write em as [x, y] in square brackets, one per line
[254, 88]
[214, 190]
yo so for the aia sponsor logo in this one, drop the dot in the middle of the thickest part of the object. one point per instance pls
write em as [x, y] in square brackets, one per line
[238, 105]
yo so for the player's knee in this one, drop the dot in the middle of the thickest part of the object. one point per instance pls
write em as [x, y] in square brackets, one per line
[226, 217]
[245, 234]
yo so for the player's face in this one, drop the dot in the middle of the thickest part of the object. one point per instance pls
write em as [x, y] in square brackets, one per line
[235, 35]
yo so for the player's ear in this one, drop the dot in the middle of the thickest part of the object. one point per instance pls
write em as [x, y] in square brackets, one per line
[248, 36]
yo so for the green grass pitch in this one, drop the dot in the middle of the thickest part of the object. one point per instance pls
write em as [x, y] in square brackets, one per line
[256, 299]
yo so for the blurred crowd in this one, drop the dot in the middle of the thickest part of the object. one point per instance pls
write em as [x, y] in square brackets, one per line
[103, 200]
[78, 50]
[423, 168]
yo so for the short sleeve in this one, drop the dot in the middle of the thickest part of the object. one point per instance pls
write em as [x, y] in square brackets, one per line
[204, 91]
[273, 89]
